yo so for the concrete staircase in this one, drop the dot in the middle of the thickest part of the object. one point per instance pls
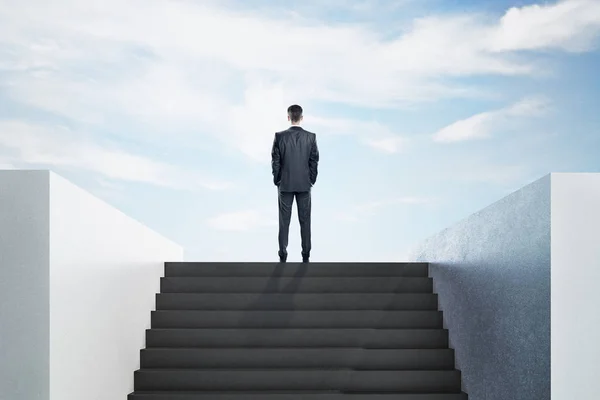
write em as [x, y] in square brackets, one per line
[318, 331]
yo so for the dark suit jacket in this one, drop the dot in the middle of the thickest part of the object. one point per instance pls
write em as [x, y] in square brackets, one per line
[294, 160]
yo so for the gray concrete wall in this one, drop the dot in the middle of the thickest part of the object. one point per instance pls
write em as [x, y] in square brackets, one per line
[492, 274]
[24, 285]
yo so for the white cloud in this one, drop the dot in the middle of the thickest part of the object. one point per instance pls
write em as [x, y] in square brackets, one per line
[251, 127]
[241, 221]
[176, 66]
[333, 56]
[311, 9]
[571, 25]
[529, 107]
[4, 165]
[371, 133]
[361, 211]
[390, 145]
[59, 146]
[475, 127]
[480, 126]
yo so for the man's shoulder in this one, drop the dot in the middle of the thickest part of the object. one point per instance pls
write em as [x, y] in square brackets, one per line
[310, 133]
[292, 129]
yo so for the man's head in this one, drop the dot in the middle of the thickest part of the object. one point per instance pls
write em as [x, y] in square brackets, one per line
[294, 114]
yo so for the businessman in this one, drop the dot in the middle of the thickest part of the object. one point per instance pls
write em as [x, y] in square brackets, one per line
[294, 161]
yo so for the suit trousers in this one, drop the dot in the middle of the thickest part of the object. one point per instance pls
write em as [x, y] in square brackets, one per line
[303, 202]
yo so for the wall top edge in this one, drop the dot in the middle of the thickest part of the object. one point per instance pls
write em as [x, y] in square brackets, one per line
[575, 173]
[14, 171]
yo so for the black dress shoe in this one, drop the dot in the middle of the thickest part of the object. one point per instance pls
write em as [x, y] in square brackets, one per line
[304, 259]
[283, 259]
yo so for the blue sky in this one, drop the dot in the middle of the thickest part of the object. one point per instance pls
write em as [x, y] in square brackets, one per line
[425, 111]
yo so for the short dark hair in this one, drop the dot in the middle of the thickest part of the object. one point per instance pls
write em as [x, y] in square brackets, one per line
[295, 112]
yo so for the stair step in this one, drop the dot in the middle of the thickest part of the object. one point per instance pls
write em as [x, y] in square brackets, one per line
[315, 269]
[318, 331]
[296, 301]
[261, 338]
[323, 395]
[277, 379]
[297, 319]
[323, 358]
[255, 284]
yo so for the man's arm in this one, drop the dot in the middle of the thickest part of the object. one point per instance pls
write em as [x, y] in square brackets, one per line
[275, 161]
[313, 161]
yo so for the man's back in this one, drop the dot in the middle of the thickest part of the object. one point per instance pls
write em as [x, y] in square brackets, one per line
[295, 158]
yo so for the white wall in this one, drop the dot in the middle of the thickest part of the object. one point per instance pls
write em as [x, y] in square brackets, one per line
[575, 286]
[78, 282]
[24, 359]
[105, 271]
